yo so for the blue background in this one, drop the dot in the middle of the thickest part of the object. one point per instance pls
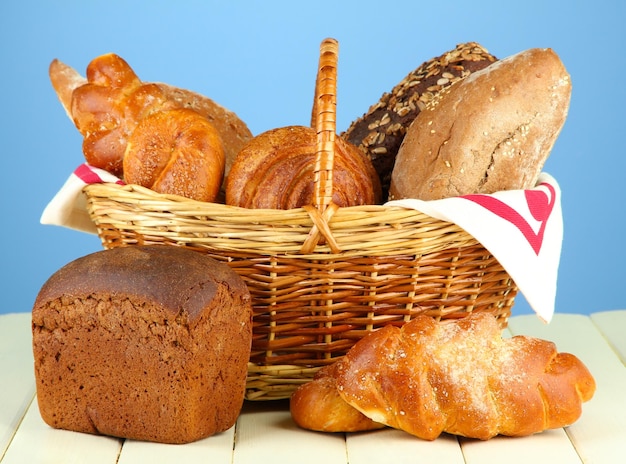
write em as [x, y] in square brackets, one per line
[259, 58]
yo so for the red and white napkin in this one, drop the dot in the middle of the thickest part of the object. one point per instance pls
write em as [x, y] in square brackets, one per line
[522, 229]
[68, 208]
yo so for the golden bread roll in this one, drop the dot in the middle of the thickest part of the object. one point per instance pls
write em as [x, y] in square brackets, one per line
[316, 405]
[108, 107]
[108, 104]
[489, 132]
[462, 378]
[276, 170]
[176, 152]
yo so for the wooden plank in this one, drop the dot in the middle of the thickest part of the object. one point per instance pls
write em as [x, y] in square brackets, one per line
[18, 379]
[612, 324]
[217, 449]
[389, 445]
[36, 442]
[551, 446]
[266, 433]
[599, 433]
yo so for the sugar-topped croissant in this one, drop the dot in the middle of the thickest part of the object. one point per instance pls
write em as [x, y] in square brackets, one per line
[462, 378]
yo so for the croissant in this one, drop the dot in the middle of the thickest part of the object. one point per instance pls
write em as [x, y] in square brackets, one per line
[108, 105]
[317, 405]
[462, 378]
[276, 170]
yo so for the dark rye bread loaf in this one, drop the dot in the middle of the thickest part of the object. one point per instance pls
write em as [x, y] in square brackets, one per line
[380, 131]
[144, 342]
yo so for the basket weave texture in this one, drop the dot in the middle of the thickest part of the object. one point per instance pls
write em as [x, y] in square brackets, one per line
[321, 277]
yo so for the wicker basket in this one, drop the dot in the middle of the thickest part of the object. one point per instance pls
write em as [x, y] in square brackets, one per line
[321, 277]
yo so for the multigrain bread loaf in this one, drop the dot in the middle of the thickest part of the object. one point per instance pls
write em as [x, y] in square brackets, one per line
[144, 342]
[380, 131]
[492, 131]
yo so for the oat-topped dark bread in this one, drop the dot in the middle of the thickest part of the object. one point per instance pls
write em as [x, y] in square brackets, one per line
[143, 342]
[380, 131]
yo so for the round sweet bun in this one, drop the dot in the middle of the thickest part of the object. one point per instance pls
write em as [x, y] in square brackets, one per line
[176, 152]
[233, 131]
[489, 132]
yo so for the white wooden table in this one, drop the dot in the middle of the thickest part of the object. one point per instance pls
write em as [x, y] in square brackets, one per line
[265, 433]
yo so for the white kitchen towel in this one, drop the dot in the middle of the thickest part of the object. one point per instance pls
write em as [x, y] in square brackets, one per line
[522, 229]
[68, 208]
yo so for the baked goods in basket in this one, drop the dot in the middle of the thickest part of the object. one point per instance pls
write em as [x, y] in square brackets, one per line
[297, 166]
[463, 378]
[143, 342]
[380, 131]
[178, 152]
[276, 170]
[490, 132]
[109, 105]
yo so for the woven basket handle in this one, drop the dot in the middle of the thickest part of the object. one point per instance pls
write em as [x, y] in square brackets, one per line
[324, 121]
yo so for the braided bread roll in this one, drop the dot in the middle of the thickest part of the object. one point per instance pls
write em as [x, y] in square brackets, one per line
[331, 413]
[462, 378]
[111, 103]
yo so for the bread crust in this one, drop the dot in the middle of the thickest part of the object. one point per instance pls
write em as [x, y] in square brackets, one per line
[316, 405]
[276, 170]
[380, 131]
[143, 342]
[462, 378]
[492, 131]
